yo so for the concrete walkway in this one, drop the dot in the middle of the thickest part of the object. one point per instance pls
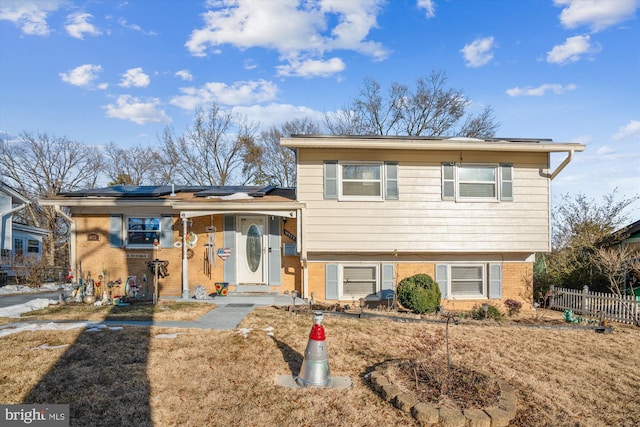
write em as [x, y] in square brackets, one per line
[229, 312]
[226, 316]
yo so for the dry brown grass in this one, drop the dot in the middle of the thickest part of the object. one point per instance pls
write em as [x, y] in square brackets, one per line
[164, 311]
[218, 378]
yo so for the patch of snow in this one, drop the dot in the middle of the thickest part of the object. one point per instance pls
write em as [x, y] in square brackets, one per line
[18, 309]
[14, 328]
[49, 347]
[166, 336]
[244, 331]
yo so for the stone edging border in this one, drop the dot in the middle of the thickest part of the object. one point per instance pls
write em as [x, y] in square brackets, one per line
[494, 416]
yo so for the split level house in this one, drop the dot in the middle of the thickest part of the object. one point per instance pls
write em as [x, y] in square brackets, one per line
[367, 212]
[17, 241]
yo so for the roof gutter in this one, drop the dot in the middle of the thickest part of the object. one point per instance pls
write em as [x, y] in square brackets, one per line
[562, 165]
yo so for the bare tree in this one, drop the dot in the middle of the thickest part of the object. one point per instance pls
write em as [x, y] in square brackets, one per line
[211, 152]
[430, 109]
[39, 165]
[619, 264]
[133, 166]
[581, 225]
[276, 165]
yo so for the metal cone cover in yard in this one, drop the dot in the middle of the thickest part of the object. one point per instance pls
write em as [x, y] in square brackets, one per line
[315, 370]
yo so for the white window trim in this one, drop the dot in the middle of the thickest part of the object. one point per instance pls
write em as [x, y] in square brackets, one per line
[382, 180]
[485, 290]
[496, 182]
[378, 272]
[125, 227]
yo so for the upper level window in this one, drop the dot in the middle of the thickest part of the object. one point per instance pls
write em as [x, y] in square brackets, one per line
[482, 182]
[361, 180]
[143, 231]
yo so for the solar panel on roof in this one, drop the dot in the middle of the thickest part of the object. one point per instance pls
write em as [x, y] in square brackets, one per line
[123, 191]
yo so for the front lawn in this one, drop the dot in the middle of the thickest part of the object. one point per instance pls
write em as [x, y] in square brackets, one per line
[146, 376]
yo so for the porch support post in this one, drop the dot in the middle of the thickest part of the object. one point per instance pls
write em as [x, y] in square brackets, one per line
[185, 268]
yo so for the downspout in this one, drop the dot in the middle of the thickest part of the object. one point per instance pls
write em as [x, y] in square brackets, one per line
[303, 255]
[562, 165]
[72, 234]
[7, 213]
[12, 210]
[185, 268]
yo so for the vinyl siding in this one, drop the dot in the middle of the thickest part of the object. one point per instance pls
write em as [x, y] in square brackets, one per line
[420, 221]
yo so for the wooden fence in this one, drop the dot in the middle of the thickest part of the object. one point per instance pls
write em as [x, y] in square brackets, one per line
[624, 308]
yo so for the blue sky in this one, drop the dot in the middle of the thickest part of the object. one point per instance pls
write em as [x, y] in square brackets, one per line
[121, 71]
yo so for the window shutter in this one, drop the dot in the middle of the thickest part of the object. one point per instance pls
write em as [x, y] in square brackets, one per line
[442, 279]
[331, 282]
[275, 256]
[166, 231]
[506, 182]
[448, 181]
[229, 241]
[495, 281]
[115, 231]
[387, 286]
[391, 181]
[331, 179]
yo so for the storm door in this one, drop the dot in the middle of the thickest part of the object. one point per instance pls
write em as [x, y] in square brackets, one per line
[252, 250]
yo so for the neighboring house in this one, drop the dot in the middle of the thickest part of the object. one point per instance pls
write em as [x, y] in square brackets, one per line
[367, 212]
[631, 236]
[16, 240]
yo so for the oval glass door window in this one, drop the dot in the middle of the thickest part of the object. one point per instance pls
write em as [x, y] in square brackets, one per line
[254, 248]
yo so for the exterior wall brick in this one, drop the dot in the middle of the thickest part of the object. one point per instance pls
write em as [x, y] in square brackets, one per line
[515, 276]
[97, 256]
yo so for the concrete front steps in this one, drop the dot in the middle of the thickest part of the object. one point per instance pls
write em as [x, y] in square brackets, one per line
[257, 298]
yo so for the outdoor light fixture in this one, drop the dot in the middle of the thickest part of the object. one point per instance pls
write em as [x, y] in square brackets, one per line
[485, 308]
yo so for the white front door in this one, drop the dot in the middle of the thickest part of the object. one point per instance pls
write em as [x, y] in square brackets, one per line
[252, 250]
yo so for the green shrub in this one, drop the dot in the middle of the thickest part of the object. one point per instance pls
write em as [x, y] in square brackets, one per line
[493, 312]
[419, 293]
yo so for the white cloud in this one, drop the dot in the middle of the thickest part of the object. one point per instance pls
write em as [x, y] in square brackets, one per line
[312, 68]
[29, 16]
[123, 22]
[572, 50]
[83, 76]
[78, 25]
[541, 90]
[135, 77]
[478, 52]
[605, 150]
[294, 28]
[276, 114]
[597, 14]
[428, 6]
[184, 75]
[250, 64]
[131, 108]
[239, 93]
[631, 129]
